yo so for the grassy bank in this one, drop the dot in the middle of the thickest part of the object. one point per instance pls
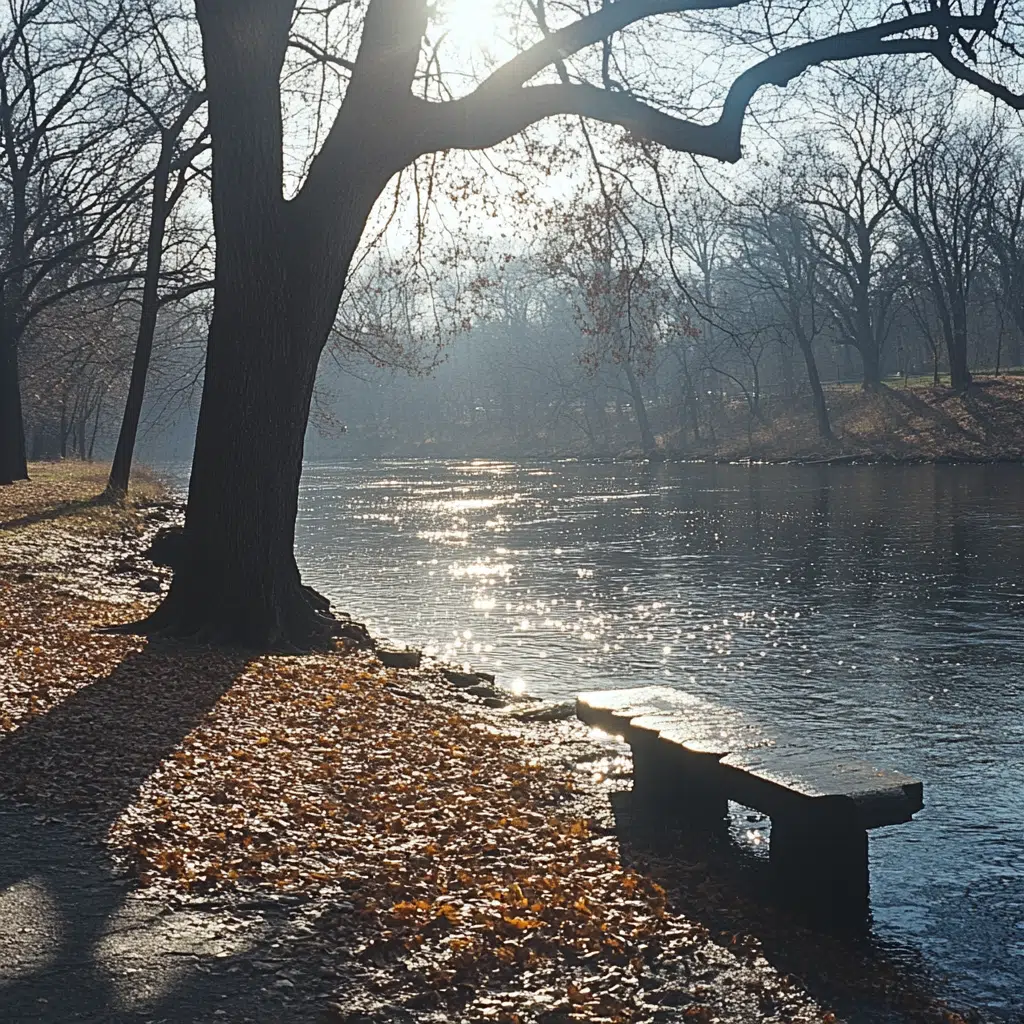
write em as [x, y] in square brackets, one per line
[70, 493]
[322, 838]
[916, 421]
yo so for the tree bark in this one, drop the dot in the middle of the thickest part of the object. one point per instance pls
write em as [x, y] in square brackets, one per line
[281, 268]
[13, 464]
[280, 272]
[121, 467]
[650, 446]
[871, 371]
[959, 372]
[821, 416]
[238, 581]
[867, 343]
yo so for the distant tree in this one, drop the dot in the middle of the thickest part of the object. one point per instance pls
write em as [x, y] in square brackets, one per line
[73, 358]
[778, 257]
[943, 202]
[604, 257]
[696, 230]
[1003, 229]
[850, 184]
[158, 80]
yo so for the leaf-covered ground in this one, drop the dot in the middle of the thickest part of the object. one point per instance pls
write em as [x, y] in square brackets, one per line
[379, 847]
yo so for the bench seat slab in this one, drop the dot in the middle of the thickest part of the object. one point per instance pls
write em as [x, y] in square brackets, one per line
[674, 733]
[797, 781]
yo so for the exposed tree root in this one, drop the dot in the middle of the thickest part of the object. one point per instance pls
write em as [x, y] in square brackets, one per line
[298, 621]
[302, 630]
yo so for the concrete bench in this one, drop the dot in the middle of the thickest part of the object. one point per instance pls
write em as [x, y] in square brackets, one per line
[691, 756]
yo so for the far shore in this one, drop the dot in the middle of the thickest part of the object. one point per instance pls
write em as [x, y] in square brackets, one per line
[902, 423]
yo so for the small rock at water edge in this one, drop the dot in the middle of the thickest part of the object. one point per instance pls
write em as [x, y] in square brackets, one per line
[561, 712]
[462, 680]
[391, 657]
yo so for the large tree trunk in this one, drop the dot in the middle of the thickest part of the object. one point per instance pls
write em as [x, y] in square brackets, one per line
[871, 370]
[867, 345]
[281, 268]
[237, 581]
[278, 284]
[959, 372]
[13, 464]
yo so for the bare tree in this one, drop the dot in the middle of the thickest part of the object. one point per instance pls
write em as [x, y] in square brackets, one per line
[603, 254]
[73, 359]
[159, 80]
[282, 264]
[1004, 237]
[67, 173]
[943, 202]
[779, 257]
[695, 230]
[848, 192]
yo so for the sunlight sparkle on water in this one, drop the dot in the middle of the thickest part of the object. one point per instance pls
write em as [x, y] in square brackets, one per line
[481, 569]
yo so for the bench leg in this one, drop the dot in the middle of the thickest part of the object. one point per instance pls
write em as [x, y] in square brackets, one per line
[672, 783]
[821, 864]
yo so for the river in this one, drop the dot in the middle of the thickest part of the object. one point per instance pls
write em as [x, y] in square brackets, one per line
[877, 610]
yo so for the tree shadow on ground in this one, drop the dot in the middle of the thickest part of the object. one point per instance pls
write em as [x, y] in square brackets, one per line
[46, 515]
[711, 880]
[65, 777]
[994, 414]
[916, 406]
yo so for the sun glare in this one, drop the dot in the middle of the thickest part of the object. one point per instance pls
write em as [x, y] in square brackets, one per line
[471, 23]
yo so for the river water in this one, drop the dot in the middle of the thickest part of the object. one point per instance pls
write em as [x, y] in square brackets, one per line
[876, 610]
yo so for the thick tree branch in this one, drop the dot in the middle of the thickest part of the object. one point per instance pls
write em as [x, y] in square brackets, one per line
[185, 291]
[781, 68]
[389, 50]
[381, 78]
[480, 121]
[944, 54]
[496, 110]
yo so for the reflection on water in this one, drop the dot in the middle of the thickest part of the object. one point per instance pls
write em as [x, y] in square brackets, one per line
[877, 610]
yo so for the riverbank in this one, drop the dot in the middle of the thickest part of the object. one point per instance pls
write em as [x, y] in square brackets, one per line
[192, 834]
